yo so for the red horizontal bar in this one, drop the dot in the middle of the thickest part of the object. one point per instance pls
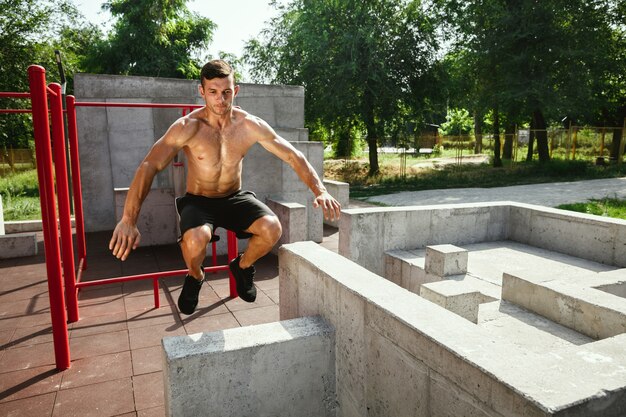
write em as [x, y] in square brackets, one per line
[16, 111]
[51, 91]
[7, 94]
[151, 275]
[147, 105]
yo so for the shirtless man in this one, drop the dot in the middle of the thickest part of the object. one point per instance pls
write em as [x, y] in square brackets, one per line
[215, 139]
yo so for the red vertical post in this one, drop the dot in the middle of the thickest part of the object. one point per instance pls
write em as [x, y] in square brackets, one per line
[43, 151]
[63, 196]
[72, 131]
[155, 287]
[232, 254]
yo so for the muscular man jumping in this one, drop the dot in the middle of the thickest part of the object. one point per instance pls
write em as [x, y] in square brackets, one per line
[215, 139]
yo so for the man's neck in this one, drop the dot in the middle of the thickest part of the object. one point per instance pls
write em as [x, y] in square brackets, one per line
[218, 121]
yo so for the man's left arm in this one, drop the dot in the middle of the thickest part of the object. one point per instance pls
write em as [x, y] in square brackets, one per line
[296, 160]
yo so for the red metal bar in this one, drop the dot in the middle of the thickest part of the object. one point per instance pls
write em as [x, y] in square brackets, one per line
[50, 91]
[10, 94]
[232, 254]
[214, 253]
[43, 151]
[162, 274]
[63, 196]
[16, 111]
[155, 286]
[148, 105]
[72, 131]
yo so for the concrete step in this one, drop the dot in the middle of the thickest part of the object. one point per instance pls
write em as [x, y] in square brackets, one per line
[525, 329]
[574, 301]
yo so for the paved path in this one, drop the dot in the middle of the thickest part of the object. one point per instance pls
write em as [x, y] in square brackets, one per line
[551, 194]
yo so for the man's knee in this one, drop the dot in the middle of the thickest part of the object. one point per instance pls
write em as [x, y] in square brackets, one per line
[195, 240]
[269, 228]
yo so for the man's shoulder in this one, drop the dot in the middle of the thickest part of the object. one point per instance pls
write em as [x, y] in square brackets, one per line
[248, 118]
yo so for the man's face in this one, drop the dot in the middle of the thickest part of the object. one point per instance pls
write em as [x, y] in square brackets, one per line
[218, 94]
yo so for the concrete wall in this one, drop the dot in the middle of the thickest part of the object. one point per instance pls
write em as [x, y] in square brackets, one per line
[398, 354]
[113, 141]
[282, 369]
[366, 234]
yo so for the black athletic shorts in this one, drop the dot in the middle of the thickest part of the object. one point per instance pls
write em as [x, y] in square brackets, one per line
[235, 212]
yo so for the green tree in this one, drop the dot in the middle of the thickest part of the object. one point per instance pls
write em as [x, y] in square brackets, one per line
[30, 31]
[358, 61]
[158, 38]
[534, 60]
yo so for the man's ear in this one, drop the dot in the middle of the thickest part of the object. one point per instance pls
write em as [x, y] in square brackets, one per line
[201, 90]
[236, 91]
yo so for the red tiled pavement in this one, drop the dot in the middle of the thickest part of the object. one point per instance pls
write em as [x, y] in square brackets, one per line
[116, 365]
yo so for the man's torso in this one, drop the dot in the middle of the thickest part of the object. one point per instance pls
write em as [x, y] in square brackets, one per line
[214, 156]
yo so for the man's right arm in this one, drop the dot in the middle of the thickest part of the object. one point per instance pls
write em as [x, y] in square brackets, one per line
[126, 236]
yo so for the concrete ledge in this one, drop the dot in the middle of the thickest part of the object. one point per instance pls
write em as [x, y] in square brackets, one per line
[341, 192]
[277, 369]
[293, 219]
[567, 301]
[22, 226]
[17, 245]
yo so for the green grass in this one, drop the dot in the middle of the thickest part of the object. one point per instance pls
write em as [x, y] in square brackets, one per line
[609, 207]
[20, 195]
[484, 176]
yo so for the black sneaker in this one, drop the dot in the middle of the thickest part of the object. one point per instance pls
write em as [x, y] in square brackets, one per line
[188, 298]
[243, 278]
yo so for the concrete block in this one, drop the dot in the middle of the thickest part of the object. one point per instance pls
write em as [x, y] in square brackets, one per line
[292, 217]
[341, 192]
[285, 368]
[445, 260]
[17, 245]
[587, 310]
[462, 294]
[158, 219]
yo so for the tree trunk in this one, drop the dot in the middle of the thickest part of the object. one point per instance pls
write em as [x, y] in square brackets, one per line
[531, 141]
[615, 142]
[509, 133]
[370, 125]
[497, 161]
[542, 136]
[478, 132]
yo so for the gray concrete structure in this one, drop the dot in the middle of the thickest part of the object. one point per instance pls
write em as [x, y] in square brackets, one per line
[15, 245]
[366, 234]
[341, 192]
[282, 369]
[113, 141]
[399, 354]
[490, 310]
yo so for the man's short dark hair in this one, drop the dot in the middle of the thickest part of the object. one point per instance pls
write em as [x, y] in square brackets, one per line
[216, 68]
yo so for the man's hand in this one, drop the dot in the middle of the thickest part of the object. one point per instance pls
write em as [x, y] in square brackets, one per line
[125, 238]
[330, 206]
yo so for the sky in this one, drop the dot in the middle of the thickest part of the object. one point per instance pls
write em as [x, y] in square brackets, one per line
[236, 20]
